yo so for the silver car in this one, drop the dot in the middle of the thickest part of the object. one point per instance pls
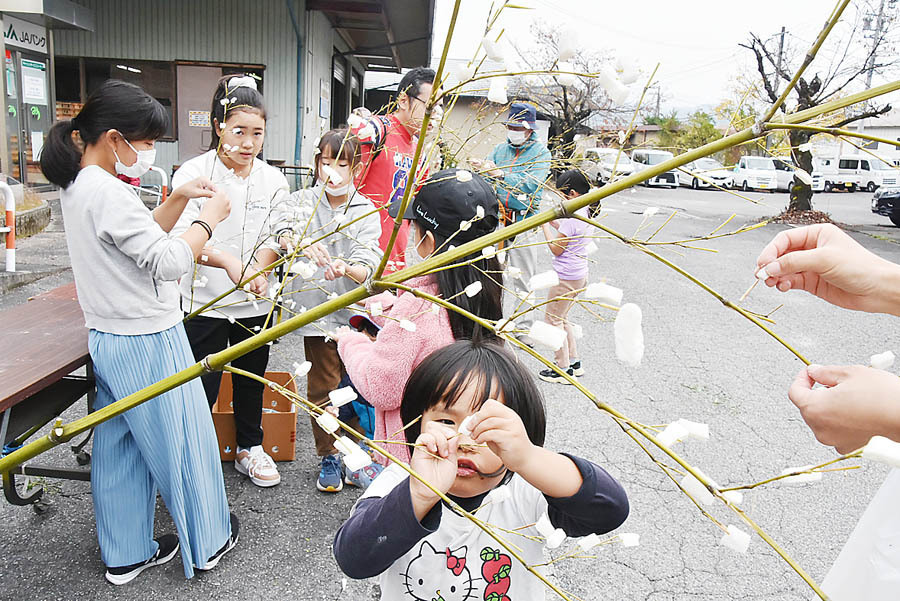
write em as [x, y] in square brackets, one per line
[704, 173]
[603, 164]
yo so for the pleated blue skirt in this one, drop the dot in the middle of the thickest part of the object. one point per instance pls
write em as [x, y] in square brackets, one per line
[167, 444]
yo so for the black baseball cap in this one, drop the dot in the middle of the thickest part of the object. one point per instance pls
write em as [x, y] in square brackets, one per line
[449, 197]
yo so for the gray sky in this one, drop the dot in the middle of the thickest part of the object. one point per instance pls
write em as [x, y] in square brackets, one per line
[695, 41]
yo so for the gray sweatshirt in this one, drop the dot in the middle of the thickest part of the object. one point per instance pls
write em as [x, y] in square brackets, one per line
[125, 265]
[310, 216]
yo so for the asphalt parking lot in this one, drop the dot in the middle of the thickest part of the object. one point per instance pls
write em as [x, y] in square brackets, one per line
[702, 362]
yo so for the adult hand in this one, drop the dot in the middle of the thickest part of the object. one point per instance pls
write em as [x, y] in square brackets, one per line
[858, 403]
[318, 254]
[826, 262]
[435, 459]
[503, 431]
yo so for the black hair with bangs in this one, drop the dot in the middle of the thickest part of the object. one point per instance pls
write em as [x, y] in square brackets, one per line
[341, 145]
[246, 99]
[117, 105]
[441, 377]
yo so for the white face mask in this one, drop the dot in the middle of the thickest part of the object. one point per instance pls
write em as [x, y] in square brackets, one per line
[332, 191]
[145, 158]
[412, 253]
[517, 138]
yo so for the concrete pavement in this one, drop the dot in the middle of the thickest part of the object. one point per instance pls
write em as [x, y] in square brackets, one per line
[702, 362]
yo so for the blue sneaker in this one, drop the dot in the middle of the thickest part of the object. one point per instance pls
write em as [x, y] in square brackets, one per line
[363, 477]
[330, 474]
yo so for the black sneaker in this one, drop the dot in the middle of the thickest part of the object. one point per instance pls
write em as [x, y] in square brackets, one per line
[548, 375]
[168, 547]
[228, 546]
[576, 368]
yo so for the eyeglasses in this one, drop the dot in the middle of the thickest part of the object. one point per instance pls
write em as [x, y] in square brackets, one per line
[438, 108]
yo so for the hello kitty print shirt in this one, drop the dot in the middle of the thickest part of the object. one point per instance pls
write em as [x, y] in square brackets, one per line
[446, 558]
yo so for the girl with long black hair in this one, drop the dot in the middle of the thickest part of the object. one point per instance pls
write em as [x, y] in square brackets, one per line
[414, 327]
[125, 264]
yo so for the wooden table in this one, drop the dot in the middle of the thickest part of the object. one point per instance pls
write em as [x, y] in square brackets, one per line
[43, 341]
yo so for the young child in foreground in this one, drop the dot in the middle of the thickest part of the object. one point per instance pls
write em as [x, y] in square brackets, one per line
[401, 530]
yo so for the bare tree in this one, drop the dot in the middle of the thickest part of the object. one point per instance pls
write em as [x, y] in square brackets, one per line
[846, 69]
[569, 108]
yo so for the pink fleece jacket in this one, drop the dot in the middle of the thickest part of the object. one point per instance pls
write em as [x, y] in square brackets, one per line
[379, 368]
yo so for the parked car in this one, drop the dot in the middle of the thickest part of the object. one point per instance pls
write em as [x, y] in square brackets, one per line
[837, 173]
[647, 157]
[702, 173]
[875, 172]
[604, 162]
[886, 201]
[755, 173]
[784, 173]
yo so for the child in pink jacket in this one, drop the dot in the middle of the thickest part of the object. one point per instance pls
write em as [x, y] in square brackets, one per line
[412, 327]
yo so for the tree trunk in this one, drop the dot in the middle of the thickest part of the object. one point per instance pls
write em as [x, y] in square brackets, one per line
[801, 193]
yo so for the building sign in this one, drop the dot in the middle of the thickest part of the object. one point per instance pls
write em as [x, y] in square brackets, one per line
[34, 82]
[24, 35]
[198, 119]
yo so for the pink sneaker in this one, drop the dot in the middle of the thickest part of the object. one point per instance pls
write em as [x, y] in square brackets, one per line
[258, 466]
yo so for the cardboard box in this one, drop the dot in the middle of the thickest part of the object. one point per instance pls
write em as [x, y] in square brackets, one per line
[279, 419]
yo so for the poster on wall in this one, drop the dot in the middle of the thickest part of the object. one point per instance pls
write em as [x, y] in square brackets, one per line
[198, 118]
[34, 82]
[324, 99]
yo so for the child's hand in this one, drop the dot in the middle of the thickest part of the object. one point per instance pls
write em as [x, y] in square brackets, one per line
[434, 458]
[503, 431]
[337, 269]
[340, 333]
[259, 284]
[196, 188]
[318, 254]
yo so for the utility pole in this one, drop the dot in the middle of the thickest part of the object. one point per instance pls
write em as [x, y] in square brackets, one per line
[777, 70]
[881, 24]
[658, 93]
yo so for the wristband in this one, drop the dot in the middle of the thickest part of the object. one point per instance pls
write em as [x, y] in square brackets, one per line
[205, 226]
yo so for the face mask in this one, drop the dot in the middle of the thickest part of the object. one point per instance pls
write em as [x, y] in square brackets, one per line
[336, 191]
[516, 138]
[412, 254]
[145, 158]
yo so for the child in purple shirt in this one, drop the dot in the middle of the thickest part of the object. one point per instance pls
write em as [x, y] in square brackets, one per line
[566, 241]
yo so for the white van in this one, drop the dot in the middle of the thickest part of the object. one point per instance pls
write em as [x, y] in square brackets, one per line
[755, 173]
[837, 173]
[647, 157]
[872, 172]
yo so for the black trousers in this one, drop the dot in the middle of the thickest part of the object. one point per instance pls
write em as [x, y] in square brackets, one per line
[209, 335]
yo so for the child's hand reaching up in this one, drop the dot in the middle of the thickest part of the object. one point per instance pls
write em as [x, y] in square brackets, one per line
[434, 458]
[503, 431]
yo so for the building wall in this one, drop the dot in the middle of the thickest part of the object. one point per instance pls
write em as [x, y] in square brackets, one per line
[223, 31]
[473, 127]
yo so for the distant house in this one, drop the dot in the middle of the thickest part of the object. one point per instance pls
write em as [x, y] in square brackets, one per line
[887, 126]
[473, 125]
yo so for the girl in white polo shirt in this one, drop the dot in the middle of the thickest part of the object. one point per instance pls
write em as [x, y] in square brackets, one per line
[245, 244]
